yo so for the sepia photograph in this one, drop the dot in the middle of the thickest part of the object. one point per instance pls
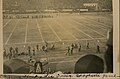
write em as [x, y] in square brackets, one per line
[57, 36]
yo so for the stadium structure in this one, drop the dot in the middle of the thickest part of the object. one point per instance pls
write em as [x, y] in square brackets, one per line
[57, 36]
[37, 6]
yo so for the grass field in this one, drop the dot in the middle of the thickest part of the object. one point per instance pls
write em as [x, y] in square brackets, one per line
[62, 31]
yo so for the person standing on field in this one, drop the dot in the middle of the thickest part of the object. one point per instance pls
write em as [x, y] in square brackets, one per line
[72, 45]
[98, 49]
[52, 46]
[79, 48]
[75, 45]
[68, 51]
[43, 48]
[13, 54]
[29, 50]
[46, 43]
[88, 45]
[4, 52]
[33, 51]
[37, 47]
[10, 49]
[16, 50]
[71, 50]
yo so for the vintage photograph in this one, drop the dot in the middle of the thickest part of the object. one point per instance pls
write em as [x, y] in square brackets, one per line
[57, 36]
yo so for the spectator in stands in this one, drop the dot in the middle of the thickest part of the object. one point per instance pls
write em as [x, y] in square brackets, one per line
[109, 53]
[89, 64]
[38, 66]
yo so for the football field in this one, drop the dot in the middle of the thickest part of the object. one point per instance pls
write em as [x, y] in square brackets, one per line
[62, 31]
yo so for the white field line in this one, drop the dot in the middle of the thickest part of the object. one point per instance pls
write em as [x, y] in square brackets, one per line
[51, 58]
[63, 61]
[11, 33]
[67, 60]
[86, 39]
[38, 26]
[54, 31]
[84, 33]
[98, 22]
[6, 23]
[102, 27]
[58, 41]
[26, 31]
[58, 57]
[66, 30]
[88, 28]
[81, 31]
[78, 57]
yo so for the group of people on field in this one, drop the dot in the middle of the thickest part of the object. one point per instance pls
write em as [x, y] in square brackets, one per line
[31, 51]
[13, 52]
[71, 48]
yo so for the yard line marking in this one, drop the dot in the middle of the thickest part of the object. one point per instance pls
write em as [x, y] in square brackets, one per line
[6, 23]
[75, 56]
[26, 31]
[81, 31]
[66, 30]
[11, 32]
[54, 31]
[98, 22]
[63, 61]
[59, 56]
[102, 27]
[32, 42]
[88, 28]
[38, 26]
[57, 41]
[86, 39]
[74, 60]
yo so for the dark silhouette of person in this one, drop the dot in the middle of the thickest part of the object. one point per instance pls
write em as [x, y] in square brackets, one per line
[89, 64]
[98, 49]
[109, 53]
[38, 67]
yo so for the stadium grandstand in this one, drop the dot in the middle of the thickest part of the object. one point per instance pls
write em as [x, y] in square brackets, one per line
[36, 6]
